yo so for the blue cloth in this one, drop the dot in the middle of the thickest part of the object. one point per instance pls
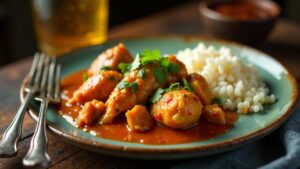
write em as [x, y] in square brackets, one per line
[280, 150]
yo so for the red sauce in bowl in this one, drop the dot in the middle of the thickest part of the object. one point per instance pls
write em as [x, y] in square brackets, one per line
[242, 10]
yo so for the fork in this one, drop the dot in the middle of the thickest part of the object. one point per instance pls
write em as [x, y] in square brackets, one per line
[37, 154]
[11, 136]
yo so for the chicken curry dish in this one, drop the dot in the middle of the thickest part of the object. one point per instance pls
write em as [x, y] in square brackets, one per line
[148, 99]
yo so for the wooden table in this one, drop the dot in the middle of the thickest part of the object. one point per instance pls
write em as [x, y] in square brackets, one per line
[283, 44]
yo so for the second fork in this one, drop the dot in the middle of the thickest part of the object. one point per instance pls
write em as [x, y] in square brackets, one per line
[37, 154]
[11, 136]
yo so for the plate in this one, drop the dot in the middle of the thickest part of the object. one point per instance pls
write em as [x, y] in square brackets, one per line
[246, 129]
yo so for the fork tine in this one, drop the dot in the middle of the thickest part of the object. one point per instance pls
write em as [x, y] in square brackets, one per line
[34, 64]
[51, 78]
[33, 68]
[45, 75]
[57, 83]
[39, 69]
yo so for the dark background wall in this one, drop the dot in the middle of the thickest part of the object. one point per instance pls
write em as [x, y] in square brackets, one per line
[17, 38]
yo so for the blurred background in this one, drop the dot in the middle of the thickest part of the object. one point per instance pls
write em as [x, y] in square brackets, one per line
[17, 39]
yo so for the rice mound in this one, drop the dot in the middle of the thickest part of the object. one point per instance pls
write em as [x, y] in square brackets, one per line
[229, 79]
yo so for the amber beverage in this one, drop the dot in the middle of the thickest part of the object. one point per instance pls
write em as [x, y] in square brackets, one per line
[63, 25]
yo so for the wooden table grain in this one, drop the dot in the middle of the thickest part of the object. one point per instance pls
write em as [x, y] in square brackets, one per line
[283, 44]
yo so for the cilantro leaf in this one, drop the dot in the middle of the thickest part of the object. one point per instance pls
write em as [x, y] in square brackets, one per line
[187, 85]
[134, 87]
[173, 86]
[164, 62]
[111, 78]
[136, 63]
[124, 67]
[127, 67]
[173, 68]
[150, 56]
[124, 84]
[85, 76]
[103, 68]
[220, 100]
[157, 95]
[142, 73]
[159, 92]
[160, 75]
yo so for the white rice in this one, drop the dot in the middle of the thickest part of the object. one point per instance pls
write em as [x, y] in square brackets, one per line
[228, 77]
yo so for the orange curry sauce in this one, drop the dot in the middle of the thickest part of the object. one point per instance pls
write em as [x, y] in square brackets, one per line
[118, 130]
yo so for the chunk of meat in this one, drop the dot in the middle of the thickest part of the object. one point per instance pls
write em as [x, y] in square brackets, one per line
[90, 113]
[200, 86]
[182, 70]
[119, 101]
[139, 119]
[146, 87]
[177, 109]
[122, 100]
[111, 58]
[99, 87]
[214, 114]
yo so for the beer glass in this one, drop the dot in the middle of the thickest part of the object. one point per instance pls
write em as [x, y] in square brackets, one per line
[63, 25]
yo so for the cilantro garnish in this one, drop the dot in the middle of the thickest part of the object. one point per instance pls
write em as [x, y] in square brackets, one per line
[127, 67]
[134, 87]
[103, 68]
[111, 78]
[136, 63]
[187, 85]
[124, 67]
[157, 95]
[124, 84]
[173, 86]
[164, 62]
[142, 73]
[159, 92]
[150, 56]
[220, 100]
[173, 68]
[160, 75]
[85, 76]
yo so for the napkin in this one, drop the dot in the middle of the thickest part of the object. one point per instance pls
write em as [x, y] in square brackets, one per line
[280, 150]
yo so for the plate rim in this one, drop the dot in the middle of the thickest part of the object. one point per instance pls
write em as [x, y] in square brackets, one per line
[225, 145]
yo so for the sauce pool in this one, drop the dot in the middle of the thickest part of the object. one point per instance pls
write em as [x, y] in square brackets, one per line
[242, 10]
[118, 130]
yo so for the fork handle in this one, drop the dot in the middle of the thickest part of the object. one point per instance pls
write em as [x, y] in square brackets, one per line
[11, 136]
[37, 154]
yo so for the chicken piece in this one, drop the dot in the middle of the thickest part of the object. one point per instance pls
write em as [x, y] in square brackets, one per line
[201, 87]
[90, 113]
[177, 109]
[139, 119]
[122, 100]
[97, 87]
[111, 59]
[214, 114]
[146, 87]
[182, 70]
[119, 101]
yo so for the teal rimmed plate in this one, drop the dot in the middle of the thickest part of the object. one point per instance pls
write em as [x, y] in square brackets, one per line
[247, 128]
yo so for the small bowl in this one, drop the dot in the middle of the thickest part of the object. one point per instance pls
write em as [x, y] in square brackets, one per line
[245, 31]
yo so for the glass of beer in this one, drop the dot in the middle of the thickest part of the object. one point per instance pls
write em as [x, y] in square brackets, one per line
[63, 25]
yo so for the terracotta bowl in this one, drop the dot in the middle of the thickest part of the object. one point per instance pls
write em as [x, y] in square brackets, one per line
[244, 31]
